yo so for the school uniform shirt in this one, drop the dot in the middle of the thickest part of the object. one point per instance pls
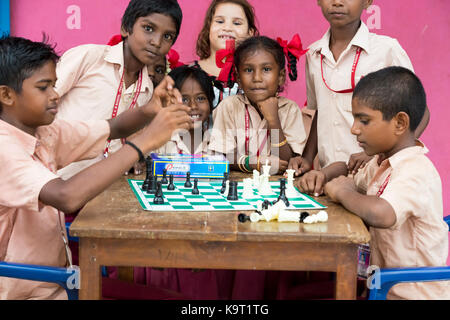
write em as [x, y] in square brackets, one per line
[30, 231]
[177, 144]
[419, 237]
[88, 81]
[335, 142]
[229, 131]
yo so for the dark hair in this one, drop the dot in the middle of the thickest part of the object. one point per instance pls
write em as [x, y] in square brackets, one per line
[392, 90]
[20, 58]
[203, 45]
[265, 43]
[143, 8]
[180, 74]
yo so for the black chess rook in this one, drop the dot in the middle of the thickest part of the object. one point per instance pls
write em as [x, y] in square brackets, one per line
[232, 192]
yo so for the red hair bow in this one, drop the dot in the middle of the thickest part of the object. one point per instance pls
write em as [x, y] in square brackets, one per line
[115, 40]
[295, 47]
[174, 59]
[227, 65]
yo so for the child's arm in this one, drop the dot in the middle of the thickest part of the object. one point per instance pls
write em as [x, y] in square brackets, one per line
[72, 194]
[303, 163]
[375, 211]
[269, 109]
[314, 181]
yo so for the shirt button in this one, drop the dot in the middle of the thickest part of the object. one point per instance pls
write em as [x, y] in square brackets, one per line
[336, 123]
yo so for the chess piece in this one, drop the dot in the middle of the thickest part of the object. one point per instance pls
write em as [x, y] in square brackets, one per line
[195, 188]
[188, 183]
[158, 195]
[247, 192]
[224, 182]
[291, 191]
[171, 186]
[282, 195]
[243, 217]
[149, 175]
[152, 185]
[265, 205]
[164, 177]
[256, 180]
[232, 193]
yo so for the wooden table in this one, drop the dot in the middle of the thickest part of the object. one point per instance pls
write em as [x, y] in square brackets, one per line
[115, 231]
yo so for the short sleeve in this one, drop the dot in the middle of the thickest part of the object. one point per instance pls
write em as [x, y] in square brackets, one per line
[311, 101]
[78, 140]
[399, 56]
[71, 67]
[405, 193]
[22, 178]
[293, 127]
[223, 133]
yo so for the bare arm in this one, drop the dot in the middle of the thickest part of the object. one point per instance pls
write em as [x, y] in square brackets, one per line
[375, 211]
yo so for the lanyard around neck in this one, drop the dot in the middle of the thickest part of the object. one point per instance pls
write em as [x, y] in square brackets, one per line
[383, 186]
[117, 101]
[355, 64]
[247, 135]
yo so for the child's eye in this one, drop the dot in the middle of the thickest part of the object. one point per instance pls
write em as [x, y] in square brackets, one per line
[267, 69]
[159, 70]
[364, 121]
[148, 28]
[42, 88]
[168, 37]
[185, 100]
[248, 70]
[219, 21]
[201, 99]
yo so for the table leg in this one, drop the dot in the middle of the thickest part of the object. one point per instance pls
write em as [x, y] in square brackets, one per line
[89, 271]
[346, 274]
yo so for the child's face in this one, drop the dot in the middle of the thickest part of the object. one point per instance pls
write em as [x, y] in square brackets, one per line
[157, 71]
[37, 104]
[229, 22]
[194, 97]
[343, 12]
[374, 134]
[259, 75]
[151, 38]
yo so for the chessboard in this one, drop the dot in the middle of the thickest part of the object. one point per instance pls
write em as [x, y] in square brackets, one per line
[210, 198]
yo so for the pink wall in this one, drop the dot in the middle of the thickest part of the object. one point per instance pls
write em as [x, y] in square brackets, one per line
[422, 28]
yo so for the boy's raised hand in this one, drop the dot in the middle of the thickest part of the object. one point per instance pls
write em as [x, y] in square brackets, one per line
[160, 130]
[300, 165]
[312, 182]
[164, 95]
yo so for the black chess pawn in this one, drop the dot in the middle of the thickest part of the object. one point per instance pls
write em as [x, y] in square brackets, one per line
[282, 195]
[171, 186]
[243, 217]
[149, 175]
[158, 199]
[224, 182]
[195, 188]
[232, 192]
[266, 204]
[188, 183]
[164, 177]
[152, 185]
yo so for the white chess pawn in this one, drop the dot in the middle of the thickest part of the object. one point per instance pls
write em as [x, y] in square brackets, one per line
[256, 179]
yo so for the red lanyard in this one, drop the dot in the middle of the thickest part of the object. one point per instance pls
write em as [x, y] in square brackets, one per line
[383, 186]
[117, 102]
[247, 135]
[355, 64]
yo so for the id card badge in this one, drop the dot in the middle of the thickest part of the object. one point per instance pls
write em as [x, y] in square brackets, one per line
[363, 260]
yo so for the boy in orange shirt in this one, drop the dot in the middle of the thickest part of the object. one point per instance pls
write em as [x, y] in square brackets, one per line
[32, 195]
[400, 197]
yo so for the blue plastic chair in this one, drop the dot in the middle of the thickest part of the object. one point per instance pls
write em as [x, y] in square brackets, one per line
[387, 278]
[4, 18]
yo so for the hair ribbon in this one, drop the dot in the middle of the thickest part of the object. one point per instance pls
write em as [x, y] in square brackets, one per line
[295, 47]
[225, 61]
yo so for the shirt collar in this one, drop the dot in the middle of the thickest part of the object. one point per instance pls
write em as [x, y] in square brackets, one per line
[27, 141]
[115, 56]
[176, 138]
[361, 39]
[398, 158]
